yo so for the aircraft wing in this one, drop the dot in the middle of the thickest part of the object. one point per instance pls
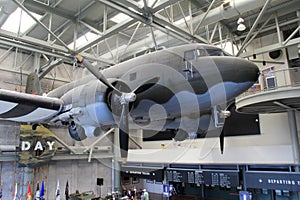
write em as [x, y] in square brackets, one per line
[22, 107]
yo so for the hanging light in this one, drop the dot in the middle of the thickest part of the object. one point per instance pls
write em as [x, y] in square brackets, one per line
[240, 21]
[241, 26]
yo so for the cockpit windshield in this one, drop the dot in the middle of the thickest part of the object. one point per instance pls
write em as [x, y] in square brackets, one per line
[209, 52]
[193, 54]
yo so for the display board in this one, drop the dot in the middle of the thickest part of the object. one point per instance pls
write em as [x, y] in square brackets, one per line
[186, 176]
[273, 180]
[144, 173]
[223, 178]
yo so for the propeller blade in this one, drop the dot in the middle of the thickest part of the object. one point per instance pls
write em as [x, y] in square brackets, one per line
[146, 85]
[96, 73]
[123, 132]
[222, 136]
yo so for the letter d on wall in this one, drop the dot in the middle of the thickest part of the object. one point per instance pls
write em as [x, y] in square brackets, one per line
[25, 146]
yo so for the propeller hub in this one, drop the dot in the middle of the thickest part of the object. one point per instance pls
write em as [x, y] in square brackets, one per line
[127, 98]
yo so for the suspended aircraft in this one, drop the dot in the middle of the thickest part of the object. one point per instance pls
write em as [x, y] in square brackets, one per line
[185, 88]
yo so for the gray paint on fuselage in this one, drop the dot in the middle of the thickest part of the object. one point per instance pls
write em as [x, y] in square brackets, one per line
[225, 75]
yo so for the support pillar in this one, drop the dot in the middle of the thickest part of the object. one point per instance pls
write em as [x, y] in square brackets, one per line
[294, 135]
[116, 163]
[295, 139]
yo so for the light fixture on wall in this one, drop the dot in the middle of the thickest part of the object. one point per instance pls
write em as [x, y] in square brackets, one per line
[241, 26]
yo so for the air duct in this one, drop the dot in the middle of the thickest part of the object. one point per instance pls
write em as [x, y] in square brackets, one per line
[228, 10]
[7, 7]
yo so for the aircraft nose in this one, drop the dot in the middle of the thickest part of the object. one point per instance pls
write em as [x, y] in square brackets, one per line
[237, 70]
[247, 71]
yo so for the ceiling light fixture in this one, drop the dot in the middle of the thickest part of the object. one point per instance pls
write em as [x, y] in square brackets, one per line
[241, 26]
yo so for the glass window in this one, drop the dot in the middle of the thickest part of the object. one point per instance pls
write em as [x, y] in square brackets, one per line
[189, 55]
[209, 52]
[214, 52]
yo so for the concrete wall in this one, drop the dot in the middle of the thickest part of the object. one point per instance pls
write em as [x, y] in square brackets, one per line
[81, 174]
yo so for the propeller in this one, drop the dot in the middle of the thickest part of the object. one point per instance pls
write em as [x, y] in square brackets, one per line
[124, 98]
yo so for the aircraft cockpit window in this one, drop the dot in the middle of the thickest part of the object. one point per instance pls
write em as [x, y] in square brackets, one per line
[209, 52]
[189, 55]
[214, 52]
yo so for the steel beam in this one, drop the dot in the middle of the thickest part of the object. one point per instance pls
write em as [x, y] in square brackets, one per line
[292, 35]
[113, 30]
[163, 4]
[269, 48]
[155, 22]
[254, 26]
[52, 6]
[183, 16]
[46, 70]
[259, 30]
[41, 24]
[67, 156]
[207, 11]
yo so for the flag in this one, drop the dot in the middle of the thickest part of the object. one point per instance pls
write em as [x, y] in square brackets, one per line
[37, 193]
[57, 193]
[29, 193]
[16, 191]
[42, 192]
[67, 193]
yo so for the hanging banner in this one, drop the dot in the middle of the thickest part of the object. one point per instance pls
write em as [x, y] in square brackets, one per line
[37, 147]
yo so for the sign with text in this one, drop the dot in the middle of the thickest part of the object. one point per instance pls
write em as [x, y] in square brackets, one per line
[37, 147]
[223, 178]
[144, 173]
[186, 176]
[273, 180]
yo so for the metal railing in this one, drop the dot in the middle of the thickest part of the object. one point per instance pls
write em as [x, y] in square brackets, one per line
[273, 80]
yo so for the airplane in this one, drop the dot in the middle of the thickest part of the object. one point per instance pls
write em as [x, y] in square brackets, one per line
[184, 88]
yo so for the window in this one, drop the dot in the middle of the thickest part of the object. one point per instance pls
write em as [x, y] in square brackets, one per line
[209, 52]
[189, 55]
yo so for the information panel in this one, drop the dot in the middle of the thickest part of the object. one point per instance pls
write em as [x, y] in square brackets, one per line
[186, 176]
[223, 178]
[273, 180]
[144, 173]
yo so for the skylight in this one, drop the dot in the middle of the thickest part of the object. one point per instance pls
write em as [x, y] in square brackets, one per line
[89, 36]
[19, 18]
[149, 2]
[120, 18]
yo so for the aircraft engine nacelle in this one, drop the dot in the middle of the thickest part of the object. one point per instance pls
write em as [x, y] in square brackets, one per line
[89, 115]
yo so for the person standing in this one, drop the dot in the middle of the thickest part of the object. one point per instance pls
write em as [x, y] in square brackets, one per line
[146, 194]
[142, 196]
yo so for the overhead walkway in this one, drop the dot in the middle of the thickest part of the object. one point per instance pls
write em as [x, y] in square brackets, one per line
[279, 91]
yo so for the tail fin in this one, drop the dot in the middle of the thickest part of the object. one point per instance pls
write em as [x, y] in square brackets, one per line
[33, 85]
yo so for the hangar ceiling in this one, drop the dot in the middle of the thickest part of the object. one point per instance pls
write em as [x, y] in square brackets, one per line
[112, 31]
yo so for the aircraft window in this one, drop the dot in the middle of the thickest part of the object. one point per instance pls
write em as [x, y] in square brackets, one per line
[209, 52]
[189, 55]
[214, 52]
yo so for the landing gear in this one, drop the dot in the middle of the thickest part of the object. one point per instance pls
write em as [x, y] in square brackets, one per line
[219, 119]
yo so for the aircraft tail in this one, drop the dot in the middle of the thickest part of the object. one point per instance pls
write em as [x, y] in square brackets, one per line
[33, 85]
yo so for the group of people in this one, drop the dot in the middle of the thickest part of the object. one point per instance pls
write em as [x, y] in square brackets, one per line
[133, 195]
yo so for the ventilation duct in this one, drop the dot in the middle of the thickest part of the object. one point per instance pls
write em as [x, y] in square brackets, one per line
[7, 7]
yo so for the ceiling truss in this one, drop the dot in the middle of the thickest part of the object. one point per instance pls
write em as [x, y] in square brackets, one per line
[159, 18]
